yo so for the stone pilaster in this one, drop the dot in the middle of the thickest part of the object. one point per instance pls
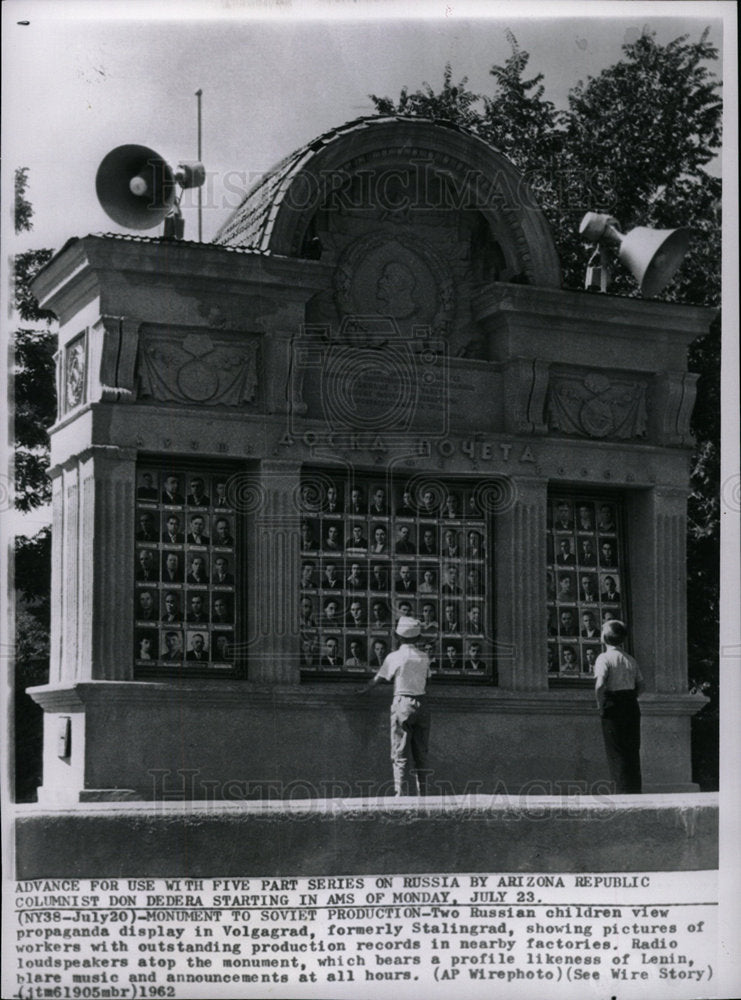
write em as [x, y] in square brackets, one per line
[282, 353]
[69, 597]
[273, 573]
[92, 557]
[57, 630]
[108, 476]
[671, 412]
[114, 341]
[658, 575]
[525, 389]
[520, 560]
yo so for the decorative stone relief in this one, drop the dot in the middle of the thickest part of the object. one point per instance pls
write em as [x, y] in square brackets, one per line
[198, 368]
[597, 406]
[397, 278]
[75, 371]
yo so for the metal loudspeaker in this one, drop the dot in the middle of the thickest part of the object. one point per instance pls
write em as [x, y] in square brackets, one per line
[652, 255]
[135, 187]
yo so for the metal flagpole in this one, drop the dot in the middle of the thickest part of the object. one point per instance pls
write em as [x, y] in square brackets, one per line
[200, 160]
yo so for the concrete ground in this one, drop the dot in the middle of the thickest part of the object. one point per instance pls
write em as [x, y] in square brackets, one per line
[477, 833]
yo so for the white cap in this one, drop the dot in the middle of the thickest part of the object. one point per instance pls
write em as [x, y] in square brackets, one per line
[408, 628]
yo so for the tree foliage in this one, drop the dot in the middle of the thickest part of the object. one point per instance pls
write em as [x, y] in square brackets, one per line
[23, 209]
[32, 647]
[25, 268]
[32, 571]
[650, 120]
[35, 408]
[455, 102]
[34, 376]
[517, 120]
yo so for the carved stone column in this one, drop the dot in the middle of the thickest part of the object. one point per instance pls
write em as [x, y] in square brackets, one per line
[273, 572]
[520, 560]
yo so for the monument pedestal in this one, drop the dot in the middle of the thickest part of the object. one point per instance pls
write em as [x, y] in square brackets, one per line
[192, 741]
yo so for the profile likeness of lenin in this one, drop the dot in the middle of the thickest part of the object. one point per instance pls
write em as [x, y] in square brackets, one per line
[394, 290]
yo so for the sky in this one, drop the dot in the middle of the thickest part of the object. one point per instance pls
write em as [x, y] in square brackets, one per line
[81, 77]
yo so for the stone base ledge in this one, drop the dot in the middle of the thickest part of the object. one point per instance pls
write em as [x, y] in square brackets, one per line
[237, 695]
[63, 797]
[477, 833]
[70, 797]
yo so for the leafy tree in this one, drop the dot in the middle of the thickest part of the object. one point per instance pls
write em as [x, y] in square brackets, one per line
[650, 120]
[23, 209]
[32, 646]
[31, 668]
[455, 102]
[25, 267]
[31, 571]
[519, 122]
[34, 393]
[34, 390]
[35, 409]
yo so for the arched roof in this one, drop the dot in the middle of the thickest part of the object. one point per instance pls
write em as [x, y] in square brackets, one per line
[275, 214]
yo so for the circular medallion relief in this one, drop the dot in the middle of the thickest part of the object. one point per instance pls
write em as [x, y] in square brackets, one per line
[197, 381]
[382, 276]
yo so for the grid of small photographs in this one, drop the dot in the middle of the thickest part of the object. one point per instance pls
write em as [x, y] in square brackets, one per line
[185, 603]
[372, 552]
[585, 580]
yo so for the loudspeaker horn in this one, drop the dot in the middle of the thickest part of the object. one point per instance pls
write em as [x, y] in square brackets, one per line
[135, 187]
[653, 256]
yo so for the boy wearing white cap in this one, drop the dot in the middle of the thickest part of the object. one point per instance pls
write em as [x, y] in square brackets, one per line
[409, 668]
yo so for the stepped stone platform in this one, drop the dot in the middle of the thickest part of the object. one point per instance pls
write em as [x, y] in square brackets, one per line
[476, 833]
